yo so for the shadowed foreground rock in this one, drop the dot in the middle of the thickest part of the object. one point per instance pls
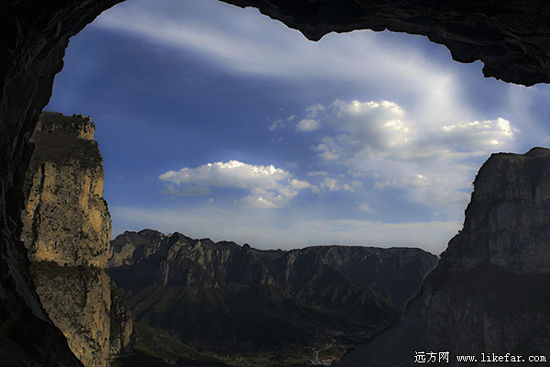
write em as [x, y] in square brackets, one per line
[489, 292]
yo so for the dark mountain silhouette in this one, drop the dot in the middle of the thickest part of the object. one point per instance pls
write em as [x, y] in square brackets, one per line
[227, 298]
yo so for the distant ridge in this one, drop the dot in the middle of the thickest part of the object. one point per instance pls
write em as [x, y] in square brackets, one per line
[230, 299]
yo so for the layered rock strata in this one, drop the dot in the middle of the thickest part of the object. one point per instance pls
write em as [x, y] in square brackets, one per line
[66, 232]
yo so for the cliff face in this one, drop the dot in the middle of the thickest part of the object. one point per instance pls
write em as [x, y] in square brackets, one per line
[66, 219]
[506, 223]
[489, 292]
[239, 301]
[66, 231]
[492, 281]
[78, 300]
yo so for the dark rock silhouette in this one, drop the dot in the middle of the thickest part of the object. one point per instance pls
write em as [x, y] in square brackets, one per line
[489, 292]
[510, 37]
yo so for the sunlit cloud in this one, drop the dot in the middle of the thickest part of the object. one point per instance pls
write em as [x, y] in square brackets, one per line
[277, 124]
[379, 142]
[268, 186]
[307, 125]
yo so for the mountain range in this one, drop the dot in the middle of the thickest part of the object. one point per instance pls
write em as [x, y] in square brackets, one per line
[267, 307]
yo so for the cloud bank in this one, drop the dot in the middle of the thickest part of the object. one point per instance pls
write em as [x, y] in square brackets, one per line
[379, 141]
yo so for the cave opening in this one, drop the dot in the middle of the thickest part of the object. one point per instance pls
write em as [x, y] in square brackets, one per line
[216, 121]
[511, 41]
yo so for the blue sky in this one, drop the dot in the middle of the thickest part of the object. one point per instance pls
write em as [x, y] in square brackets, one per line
[219, 122]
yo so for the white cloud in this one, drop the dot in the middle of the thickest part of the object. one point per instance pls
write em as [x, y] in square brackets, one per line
[473, 135]
[269, 187]
[308, 125]
[276, 124]
[332, 184]
[317, 173]
[315, 110]
[377, 124]
[365, 207]
[328, 149]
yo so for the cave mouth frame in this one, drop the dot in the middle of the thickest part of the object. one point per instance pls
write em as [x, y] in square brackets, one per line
[509, 37]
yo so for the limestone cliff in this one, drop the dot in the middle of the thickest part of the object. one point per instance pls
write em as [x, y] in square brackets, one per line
[489, 292]
[66, 231]
[78, 300]
[66, 219]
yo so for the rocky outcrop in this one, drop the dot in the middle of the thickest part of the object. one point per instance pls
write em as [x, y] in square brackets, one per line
[493, 278]
[236, 300]
[66, 219]
[132, 247]
[489, 292]
[33, 43]
[66, 231]
[507, 221]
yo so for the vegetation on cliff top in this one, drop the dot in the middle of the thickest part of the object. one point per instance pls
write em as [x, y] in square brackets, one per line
[64, 148]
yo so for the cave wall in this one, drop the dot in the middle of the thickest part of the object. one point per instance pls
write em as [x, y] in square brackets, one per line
[511, 37]
[33, 39]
